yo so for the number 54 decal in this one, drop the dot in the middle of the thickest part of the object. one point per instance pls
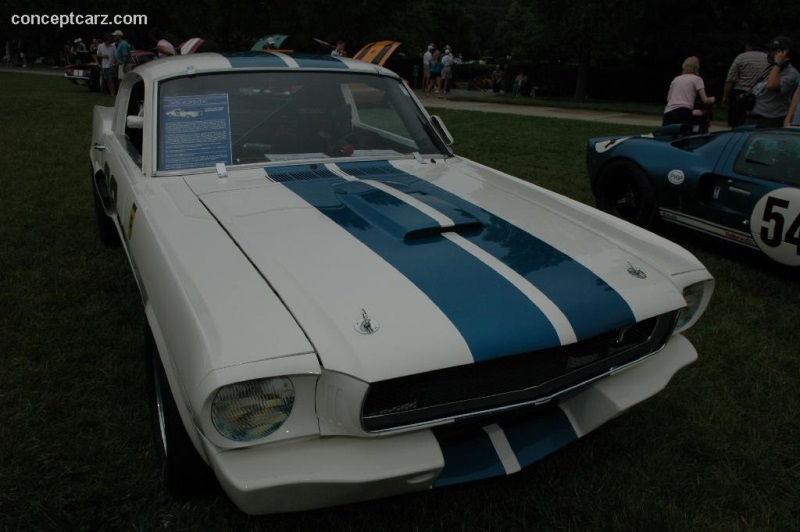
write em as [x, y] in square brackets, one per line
[775, 223]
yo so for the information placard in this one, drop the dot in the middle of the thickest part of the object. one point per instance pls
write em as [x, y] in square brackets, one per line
[195, 131]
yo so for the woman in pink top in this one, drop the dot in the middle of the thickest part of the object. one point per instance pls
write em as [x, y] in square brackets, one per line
[683, 91]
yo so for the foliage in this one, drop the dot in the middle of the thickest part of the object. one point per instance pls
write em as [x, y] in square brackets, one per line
[609, 48]
[716, 450]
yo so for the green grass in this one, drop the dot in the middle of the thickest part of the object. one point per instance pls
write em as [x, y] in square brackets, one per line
[642, 108]
[717, 450]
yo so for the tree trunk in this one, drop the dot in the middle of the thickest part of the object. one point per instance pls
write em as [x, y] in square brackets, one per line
[583, 73]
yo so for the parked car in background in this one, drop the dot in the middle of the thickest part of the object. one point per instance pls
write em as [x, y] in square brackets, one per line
[339, 308]
[742, 186]
[86, 70]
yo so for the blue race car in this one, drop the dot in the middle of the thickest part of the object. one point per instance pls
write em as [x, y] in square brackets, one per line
[739, 185]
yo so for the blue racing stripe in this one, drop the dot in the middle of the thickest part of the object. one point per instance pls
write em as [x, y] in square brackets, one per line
[589, 303]
[473, 456]
[319, 61]
[492, 315]
[383, 210]
[533, 439]
[470, 458]
[255, 60]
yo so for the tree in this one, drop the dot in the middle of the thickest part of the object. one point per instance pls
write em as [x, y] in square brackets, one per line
[573, 30]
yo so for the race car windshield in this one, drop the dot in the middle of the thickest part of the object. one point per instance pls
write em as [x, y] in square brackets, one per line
[263, 117]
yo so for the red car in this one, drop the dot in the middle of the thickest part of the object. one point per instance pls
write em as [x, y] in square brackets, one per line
[86, 71]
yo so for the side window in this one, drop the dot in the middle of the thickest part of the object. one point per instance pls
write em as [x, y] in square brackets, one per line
[134, 128]
[374, 109]
[772, 156]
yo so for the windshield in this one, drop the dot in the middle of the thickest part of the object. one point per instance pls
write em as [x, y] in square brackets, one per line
[261, 117]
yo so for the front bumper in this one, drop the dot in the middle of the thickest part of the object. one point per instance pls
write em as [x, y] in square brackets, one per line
[319, 472]
[82, 79]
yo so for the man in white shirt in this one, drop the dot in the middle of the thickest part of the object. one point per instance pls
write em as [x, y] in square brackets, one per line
[427, 61]
[447, 71]
[106, 53]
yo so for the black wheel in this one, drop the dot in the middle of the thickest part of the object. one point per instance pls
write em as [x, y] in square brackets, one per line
[624, 190]
[184, 474]
[106, 229]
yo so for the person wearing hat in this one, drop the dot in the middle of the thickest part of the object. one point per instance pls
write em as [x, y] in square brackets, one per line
[446, 80]
[123, 54]
[79, 46]
[774, 89]
[270, 44]
[427, 61]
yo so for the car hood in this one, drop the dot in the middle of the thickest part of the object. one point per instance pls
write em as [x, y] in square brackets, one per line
[384, 264]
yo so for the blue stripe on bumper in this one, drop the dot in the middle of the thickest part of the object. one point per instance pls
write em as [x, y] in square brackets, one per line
[473, 457]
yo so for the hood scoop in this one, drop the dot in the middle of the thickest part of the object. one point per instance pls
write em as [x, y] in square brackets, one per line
[394, 206]
[401, 211]
[305, 173]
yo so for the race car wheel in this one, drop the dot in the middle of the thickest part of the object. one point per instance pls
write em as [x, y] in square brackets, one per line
[185, 475]
[105, 225]
[624, 190]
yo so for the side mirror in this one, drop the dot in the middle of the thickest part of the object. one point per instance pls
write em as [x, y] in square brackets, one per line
[438, 124]
[134, 122]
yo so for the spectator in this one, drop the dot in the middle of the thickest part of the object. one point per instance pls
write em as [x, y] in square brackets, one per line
[520, 84]
[123, 54]
[683, 92]
[436, 72]
[774, 89]
[742, 75]
[270, 44]
[106, 52]
[497, 79]
[80, 47]
[446, 80]
[164, 48]
[66, 53]
[340, 50]
[427, 60]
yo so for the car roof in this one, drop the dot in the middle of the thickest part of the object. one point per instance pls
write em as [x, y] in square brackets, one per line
[268, 61]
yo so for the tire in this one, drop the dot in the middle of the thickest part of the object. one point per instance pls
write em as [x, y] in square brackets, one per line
[183, 473]
[625, 190]
[106, 229]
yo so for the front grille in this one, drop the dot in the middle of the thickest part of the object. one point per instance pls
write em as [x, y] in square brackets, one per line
[507, 382]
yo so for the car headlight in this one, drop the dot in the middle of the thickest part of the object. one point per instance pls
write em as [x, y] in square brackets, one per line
[697, 296]
[247, 411]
